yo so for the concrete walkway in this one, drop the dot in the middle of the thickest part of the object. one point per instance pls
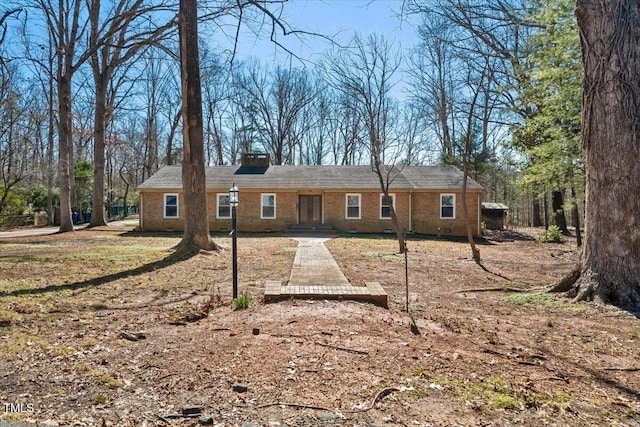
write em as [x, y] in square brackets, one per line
[316, 275]
[42, 231]
[314, 265]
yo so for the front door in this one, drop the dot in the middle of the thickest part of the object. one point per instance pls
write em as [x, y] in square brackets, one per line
[310, 209]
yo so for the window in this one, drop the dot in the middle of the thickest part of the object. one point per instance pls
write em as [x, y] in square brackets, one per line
[224, 209]
[385, 205]
[353, 206]
[447, 206]
[170, 206]
[268, 206]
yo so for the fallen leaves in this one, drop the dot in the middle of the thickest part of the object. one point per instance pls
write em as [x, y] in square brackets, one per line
[107, 354]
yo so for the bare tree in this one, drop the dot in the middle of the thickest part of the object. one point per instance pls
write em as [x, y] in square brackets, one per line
[154, 80]
[45, 74]
[159, 84]
[22, 141]
[216, 96]
[497, 29]
[412, 129]
[365, 74]
[276, 103]
[3, 27]
[196, 227]
[609, 266]
[11, 125]
[475, 84]
[244, 133]
[66, 28]
[318, 127]
[348, 142]
[116, 36]
[63, 22]
[433, 89]
[125, 144]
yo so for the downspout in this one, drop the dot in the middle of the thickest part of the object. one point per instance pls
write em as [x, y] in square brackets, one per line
[479, 213]
[410, 210]
[141, 213]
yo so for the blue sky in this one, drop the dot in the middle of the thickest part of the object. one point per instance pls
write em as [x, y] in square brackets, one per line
[338, 19]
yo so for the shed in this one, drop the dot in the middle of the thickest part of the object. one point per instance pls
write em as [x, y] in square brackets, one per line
[493, 215]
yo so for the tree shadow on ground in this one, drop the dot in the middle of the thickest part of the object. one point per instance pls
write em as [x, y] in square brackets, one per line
[137, 233]
[152, 302]
[167, 261]
[508, 235]
[599, 375]
[416, 237]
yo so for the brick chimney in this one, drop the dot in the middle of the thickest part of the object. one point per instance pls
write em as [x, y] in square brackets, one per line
[255, 160]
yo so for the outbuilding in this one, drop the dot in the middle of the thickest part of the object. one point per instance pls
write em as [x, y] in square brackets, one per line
[494, 215]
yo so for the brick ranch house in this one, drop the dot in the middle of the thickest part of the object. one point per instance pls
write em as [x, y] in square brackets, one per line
[427, 199]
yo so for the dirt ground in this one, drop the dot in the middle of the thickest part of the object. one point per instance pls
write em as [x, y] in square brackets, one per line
[104, 327]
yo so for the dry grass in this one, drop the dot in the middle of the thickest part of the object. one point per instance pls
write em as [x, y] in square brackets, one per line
[481, 357]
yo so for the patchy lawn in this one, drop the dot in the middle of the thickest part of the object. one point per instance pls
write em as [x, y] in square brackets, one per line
[105, 328]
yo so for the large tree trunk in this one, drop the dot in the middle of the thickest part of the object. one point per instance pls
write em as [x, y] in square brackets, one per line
[545, 207]
[383, 178]
[537, 218]
[402, 244]
[64, 158]
[557, 205]
[51, 124]
[575, 215]
[66, 31]
[100, 125]
[125, 198]
[475, 252]
[196, 227]
[609, 266]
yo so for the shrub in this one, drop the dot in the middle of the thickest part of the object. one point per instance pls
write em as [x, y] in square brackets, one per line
[14, 203]
[551, 235]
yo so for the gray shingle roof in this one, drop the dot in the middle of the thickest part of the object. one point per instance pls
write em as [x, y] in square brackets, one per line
[314, 178]
[495, 206]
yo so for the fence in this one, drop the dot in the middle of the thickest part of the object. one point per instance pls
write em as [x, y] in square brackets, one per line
[11, 221]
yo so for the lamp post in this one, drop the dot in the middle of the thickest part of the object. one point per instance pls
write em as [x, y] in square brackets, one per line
[233, 202]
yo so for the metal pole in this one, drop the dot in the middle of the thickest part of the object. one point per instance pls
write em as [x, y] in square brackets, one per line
[234, 240]
[406, 272]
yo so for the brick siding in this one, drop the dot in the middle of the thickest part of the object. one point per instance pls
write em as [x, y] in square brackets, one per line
[425, 212]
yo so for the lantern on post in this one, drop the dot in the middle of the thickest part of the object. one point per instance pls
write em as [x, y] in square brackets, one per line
[234, 200]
